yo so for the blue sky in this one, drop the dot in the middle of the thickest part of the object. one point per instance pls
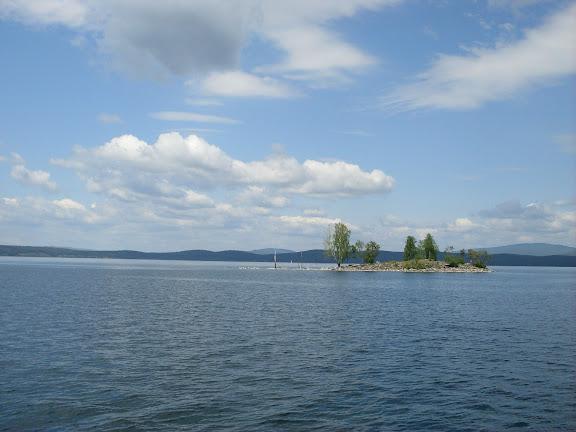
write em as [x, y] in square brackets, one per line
[257, 123]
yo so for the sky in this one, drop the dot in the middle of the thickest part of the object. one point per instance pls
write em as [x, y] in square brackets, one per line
[244, 124]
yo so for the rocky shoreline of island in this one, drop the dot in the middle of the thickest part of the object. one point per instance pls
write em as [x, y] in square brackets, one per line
[417, 266]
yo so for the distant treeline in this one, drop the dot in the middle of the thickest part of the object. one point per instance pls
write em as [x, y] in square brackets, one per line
[310, 256]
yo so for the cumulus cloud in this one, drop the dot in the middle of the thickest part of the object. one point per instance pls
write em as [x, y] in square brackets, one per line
[545, 53]
[179, 183]
[242, 84]
[36, 210]
[260, 197]
[32, 178]
[513, 221]
[304, 225]
[68, 204]
[126, 163]
[191, 117]
[506, 223]
[530, 221]
[462, 225]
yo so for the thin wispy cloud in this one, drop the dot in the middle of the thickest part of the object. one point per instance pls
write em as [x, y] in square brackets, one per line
[566, 142]
[242, 84]
[545, 54]
[107, 118]
[203, 102]
[184, 116]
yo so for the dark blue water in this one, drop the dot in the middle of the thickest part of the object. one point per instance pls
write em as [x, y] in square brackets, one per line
[124, 345]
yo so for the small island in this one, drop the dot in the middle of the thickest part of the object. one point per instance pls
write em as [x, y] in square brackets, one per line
[419, 257]
[421, 266]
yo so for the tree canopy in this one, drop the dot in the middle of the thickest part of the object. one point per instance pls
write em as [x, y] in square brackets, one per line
[337, 244]
[410, 249]
[371, 252]
[478, 258]
[426, 248]
[430, 247]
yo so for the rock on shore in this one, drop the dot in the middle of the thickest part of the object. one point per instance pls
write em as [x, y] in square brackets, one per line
[418, 266]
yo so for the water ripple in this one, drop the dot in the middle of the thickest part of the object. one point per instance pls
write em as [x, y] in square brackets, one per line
[191, 346]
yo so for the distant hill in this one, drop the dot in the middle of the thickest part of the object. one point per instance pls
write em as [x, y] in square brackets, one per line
[270, 251]
[534, 249]
[309, 256]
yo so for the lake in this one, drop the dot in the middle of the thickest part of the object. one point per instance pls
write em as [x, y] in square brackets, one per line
[109, 345]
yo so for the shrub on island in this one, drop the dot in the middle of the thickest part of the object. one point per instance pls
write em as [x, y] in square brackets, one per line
[451, 259]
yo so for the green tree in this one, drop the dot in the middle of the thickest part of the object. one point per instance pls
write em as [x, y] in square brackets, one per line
[478, 258]
[420, 250]
[410, 249]
[371, 252]
[358, 249]
[337, 244]
[430, 247]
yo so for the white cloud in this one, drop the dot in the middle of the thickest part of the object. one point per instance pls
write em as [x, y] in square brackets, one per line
[195, 38]
[514, 4]
[315, 54]
[35, 211]
[16, 159]
[303, 225]
[70, 13]
[191, 117]
[342, 178]
[178, 183]
[68, 204]
[357, 132]
[506, 223]
[462, 225]
[32, 178]
[128, 164]
[313, 212]
[107, 118]
[242, 84]
[260, 197]
[546, 222]
[546, 53]
[203, 102]
[173, 37]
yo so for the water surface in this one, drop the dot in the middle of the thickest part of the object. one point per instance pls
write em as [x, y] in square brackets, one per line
[113, 345]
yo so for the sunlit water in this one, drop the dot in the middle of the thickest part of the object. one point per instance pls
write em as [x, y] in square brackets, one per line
[153, 345]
